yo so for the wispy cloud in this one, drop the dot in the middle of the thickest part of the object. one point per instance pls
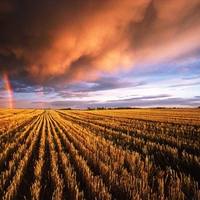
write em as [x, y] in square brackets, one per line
[39, 102]
[152, 97]
[132, 102]
[192, 78]
[186, 84]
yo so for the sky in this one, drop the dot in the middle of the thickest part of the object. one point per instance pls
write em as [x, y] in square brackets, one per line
[110, 53]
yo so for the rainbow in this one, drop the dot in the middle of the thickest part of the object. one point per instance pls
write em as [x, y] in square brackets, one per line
[9, 89]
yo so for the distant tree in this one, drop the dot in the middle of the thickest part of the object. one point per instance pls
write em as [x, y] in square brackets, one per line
[65, 109]
[89, 108]
[159, 107]
[101, 108]
[119, 108]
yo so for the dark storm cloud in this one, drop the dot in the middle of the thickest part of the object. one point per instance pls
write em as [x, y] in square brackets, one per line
[53, 42]
[109, 83]
[25, 89]
[85, 89]
[19, 87]
[102, 83]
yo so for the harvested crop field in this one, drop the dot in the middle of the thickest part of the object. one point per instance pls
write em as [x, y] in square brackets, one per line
[100, 154]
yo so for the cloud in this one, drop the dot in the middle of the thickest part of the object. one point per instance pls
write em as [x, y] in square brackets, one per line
[85, 89]
[192, 78]
[7, 7]
[51, 42]
[74, 104]
[145, 101]
[73, 90]
[39, 102]
[102, 83]
[186, 84]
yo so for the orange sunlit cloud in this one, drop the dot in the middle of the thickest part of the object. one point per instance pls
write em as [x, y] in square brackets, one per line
[74, 49]
[55, 39]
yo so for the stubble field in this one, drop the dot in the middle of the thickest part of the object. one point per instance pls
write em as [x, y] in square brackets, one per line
[147, 154]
